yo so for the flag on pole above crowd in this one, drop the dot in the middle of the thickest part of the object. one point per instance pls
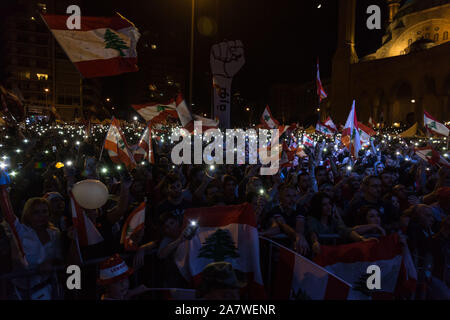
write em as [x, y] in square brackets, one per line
[320, 90]
[132, 227]
[307, 141]
[322, 128]
[350, 262]
[365, 133]
[225, 233]
[434, 126]
[297, 278]
[431, 156]
[350, 134]
[117, 146]
[155, 112]
[187, 118]
[87, 233]
[267, 120]
[103, 46]
[144, 148]
[330, 124]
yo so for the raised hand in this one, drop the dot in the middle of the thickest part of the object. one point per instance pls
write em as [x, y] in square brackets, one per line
[227, 58]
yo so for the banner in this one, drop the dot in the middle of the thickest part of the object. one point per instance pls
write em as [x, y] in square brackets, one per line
[226, 59]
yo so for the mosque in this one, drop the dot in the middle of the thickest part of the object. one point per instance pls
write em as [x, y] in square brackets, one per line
[409, 73]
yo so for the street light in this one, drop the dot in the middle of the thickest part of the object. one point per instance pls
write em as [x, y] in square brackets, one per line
[46, 90]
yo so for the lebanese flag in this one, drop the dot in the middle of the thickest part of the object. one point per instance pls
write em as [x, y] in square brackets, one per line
[330, 124]
[297, 278]
[267, 120]
[365, 133]
[133, 225]
[434, 126]
[320, 90]
[206, 123]
[225, 233]
[117, 146]
[350, 262]
[431, 156]
[321, 128]
[287, 156]
[308, 141]
[154, 112]
[87, 233]
[144, 148]
[350, 134]
[104, 46]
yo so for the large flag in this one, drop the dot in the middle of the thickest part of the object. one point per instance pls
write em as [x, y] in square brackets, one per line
[297, 278]
[350, 263]
[431, 156]
[117, 146]
[154, 112]
[103, 46]
[267, 120]
[225, 233]
[434, 126]
[320, 90]
[350, 134]
[144, 148]
[87, 233]
[134, 224]
[8, 215]
[365, 133]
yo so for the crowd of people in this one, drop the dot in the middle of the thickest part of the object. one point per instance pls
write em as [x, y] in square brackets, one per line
[325, 198]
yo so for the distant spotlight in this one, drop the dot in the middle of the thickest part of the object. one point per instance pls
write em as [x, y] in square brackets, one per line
[319, 6]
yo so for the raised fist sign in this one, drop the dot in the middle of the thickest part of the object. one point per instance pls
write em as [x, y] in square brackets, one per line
[227, 58]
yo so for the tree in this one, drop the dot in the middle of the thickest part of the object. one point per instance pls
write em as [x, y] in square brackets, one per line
[218, 246]
[113, 41]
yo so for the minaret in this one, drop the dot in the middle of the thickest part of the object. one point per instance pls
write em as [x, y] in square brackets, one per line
[343, 58]
[394, 5]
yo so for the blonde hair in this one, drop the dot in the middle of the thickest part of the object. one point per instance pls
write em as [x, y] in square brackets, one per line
[28, 210]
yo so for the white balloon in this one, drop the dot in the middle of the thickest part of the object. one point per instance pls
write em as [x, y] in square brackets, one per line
[90, 193]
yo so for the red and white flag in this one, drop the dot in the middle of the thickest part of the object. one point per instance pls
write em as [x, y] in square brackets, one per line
[117, 146]
[308, 141]
[103, 46]
[144, 148]
[154, 112]
[322, 128]
[320, 90]
[187, 118]
[350, 263]
[87, 233]
[350, 134]
[297, 278]
[431, 156]
[434, 126]
[365, 133]
[330, 124]
[133, 225]
[267, 120]
[225, 233]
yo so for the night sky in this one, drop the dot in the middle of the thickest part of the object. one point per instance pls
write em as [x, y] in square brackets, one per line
[282, 40]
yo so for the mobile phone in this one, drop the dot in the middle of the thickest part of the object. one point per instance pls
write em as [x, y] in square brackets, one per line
[54, 148]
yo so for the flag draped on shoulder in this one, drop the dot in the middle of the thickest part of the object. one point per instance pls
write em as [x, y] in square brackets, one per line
[320, 90]
[434, 126]
[297, 278]
[133, 225]
[87, 233]
[103, 46]
[267, 120]
[350, 262]
[117, 146]
[144, 148]
[350, 134]
[154, 112]
[225, 233]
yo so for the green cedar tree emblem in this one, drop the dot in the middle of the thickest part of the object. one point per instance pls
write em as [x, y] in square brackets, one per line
[113, 41]
[161, 108]
[218, 246]
[266, 117]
